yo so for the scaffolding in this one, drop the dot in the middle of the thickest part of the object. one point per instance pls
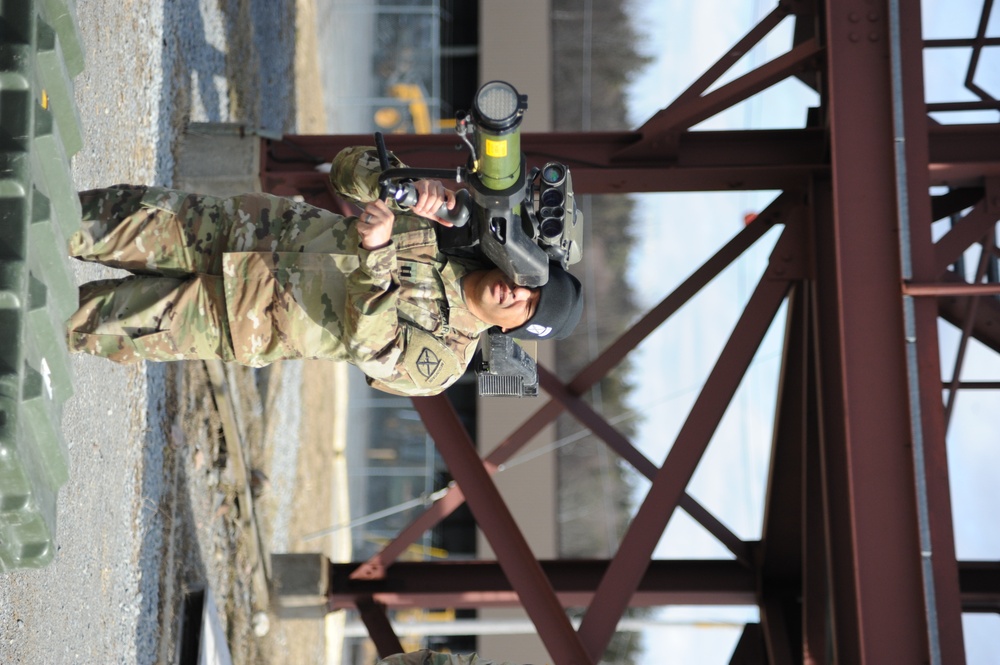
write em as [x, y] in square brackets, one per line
[857, 560]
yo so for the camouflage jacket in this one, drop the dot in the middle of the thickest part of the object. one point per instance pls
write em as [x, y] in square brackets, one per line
[397, 313]
[426, 657]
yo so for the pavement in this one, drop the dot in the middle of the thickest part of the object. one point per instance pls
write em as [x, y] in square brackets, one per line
[151, 66]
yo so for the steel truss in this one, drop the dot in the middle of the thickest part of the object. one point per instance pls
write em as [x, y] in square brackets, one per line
[856, 563]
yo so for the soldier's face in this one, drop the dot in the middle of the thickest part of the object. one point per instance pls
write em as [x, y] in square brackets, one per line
[495, 299]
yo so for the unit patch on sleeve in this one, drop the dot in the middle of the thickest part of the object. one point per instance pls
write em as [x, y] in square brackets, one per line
[429, 362]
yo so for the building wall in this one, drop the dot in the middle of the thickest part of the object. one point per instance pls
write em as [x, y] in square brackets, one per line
[529, 491]
[515, 46]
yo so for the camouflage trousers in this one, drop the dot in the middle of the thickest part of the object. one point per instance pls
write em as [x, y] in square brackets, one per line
[173, 306]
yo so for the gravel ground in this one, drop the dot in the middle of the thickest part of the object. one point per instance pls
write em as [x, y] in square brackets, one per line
[147, 512]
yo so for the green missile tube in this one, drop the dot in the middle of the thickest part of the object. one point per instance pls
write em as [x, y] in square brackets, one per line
[498, 111]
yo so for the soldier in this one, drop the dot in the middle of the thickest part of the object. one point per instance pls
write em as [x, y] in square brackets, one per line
[257, 278]
[427, 657]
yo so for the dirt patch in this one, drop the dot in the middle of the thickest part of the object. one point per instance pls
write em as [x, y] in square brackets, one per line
[204, 542]
[303, 640]
[312, 505]
[208, 543]
[310, 114]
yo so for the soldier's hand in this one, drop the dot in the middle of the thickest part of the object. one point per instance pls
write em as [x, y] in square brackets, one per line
[375, 225]
[431, 194]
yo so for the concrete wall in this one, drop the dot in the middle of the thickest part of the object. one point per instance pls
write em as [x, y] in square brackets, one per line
[529, 491]
[515, 46]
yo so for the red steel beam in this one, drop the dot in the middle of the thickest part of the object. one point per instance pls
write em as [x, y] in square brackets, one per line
[373, 614]
[878, 606]
[955, 201]
[781, 541]
[986, 327]
[862, 477]
[778, 618]
[963, 343]
[785, 209]
[476, 584]
[647, 526]
[816, 615]
[706, 160]
[962, 43]
[942, 601]
[660, 133]
[733, 55]
[613, 438]
[750, 649]
[376, 566]
[950, 289]
[980, 585]
[970, 229]
[972, 385]
[781, 550]
[493, 517]
[834, 481]
[956, 158]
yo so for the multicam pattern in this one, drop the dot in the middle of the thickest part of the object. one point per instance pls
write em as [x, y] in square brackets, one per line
[258, 278]
[426, 657]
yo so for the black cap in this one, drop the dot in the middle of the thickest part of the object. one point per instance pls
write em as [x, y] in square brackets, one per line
[559, 308]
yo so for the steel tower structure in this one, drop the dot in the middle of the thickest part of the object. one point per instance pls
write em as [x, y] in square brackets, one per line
[857, 562]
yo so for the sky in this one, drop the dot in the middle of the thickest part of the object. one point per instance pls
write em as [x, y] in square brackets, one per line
[682, 230]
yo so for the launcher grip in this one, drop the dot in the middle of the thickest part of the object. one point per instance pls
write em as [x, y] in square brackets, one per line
[405, 195]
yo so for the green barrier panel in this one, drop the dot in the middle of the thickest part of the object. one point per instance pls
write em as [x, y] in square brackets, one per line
[27, 511]
[53, 177]
[27, 502]
[58, 89]
[40, 416]
[47, 256]
[39, 54]
[61, 15]
[47, 348]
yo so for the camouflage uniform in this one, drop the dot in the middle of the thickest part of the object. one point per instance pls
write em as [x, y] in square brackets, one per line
[258, 278]
[426, 657]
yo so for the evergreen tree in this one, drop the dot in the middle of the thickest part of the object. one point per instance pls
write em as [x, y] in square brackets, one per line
[594, 60]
